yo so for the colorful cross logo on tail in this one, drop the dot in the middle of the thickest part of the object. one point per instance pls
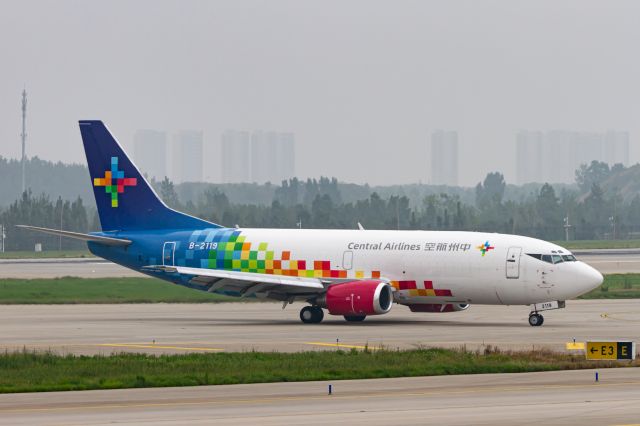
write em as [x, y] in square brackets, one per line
[484, 248]
[114, 181]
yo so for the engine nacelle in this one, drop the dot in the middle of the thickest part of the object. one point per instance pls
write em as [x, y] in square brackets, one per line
[367, 297]
[438, 307]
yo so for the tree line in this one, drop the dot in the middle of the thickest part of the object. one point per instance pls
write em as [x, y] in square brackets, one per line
[585, 211]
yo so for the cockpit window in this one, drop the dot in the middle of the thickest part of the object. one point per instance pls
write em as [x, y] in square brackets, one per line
[553, 258]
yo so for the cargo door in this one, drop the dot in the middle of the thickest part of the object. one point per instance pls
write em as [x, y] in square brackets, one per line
[347, 260]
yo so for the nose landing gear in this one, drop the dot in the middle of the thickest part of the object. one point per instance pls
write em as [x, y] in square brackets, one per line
[535, 319]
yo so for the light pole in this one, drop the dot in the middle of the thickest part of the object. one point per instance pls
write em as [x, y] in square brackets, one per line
[612, 219]
[566, 228]
[60, 237]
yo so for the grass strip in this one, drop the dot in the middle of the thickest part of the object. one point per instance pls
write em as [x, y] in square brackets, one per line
[70, 290]
[616, 286]
[29, 371]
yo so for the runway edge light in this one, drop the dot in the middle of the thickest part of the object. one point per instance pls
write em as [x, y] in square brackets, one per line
[621, 351]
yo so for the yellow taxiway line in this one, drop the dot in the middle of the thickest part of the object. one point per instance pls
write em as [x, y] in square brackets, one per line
[341, 345]
[153, 346]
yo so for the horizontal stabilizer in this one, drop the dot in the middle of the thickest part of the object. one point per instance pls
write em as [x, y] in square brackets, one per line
[109, 241]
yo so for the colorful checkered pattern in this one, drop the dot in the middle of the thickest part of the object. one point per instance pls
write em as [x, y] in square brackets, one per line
[424, 289]
[233, 252]
[114, 181]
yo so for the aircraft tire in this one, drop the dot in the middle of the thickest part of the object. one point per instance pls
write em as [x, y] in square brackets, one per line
[536, 320]
[311, 314]
[355, 318]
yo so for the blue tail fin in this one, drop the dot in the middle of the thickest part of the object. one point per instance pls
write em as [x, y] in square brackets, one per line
[124, 198]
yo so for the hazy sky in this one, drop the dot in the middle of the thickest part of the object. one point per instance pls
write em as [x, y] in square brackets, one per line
[362, 84]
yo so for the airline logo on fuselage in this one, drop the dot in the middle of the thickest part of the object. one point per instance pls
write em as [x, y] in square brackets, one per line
[114, 181]
[484, 248]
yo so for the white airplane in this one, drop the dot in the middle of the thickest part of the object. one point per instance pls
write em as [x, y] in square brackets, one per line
[351, 273]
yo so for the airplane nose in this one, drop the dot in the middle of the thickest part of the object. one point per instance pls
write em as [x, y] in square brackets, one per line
[592, 278]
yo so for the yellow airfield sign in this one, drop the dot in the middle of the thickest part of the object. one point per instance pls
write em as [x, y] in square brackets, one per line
[610, 350]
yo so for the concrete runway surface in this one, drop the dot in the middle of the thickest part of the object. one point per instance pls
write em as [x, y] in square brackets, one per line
[181, 328]
[606, 261]
[54, 268]
[558, 398]
[611, 261]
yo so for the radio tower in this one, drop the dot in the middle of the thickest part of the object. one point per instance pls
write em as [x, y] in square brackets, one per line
[23, 135]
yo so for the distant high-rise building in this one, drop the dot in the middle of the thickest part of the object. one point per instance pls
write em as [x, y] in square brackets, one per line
[23, 138]
[188, 156]
[555, 156]
[150, 152]
[616, 146]
[286, 161]
[272, 157]
[236, 156]
[529, 157]
[444, 158]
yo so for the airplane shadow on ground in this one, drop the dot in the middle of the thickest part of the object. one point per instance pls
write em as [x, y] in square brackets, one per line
[328, 322]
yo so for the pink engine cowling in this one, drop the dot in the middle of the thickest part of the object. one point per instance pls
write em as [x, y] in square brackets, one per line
[367, 297]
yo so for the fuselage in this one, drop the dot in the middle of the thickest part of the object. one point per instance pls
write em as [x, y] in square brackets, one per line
[424, 267]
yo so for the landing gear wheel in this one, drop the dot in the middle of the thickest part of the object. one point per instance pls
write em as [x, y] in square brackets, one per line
[536, 320]
[311, 314]
[355, 318]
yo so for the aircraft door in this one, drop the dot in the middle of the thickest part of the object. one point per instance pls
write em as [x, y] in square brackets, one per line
[168, 253]
[513, 262]
[347, 260]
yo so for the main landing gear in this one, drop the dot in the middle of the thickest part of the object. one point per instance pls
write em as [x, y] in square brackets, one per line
[311, 314]
[535, 319]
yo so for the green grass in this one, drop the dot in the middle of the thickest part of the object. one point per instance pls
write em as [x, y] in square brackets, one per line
[616, 286]
[101, 290]
[599, 244]
[70, 290]
[36, 372]
[48, 254]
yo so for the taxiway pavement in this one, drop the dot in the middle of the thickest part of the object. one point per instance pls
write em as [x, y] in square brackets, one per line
[55, 268]
[180, 328]
[558, 398]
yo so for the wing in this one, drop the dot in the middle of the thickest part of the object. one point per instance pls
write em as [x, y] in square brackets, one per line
[276, 287]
